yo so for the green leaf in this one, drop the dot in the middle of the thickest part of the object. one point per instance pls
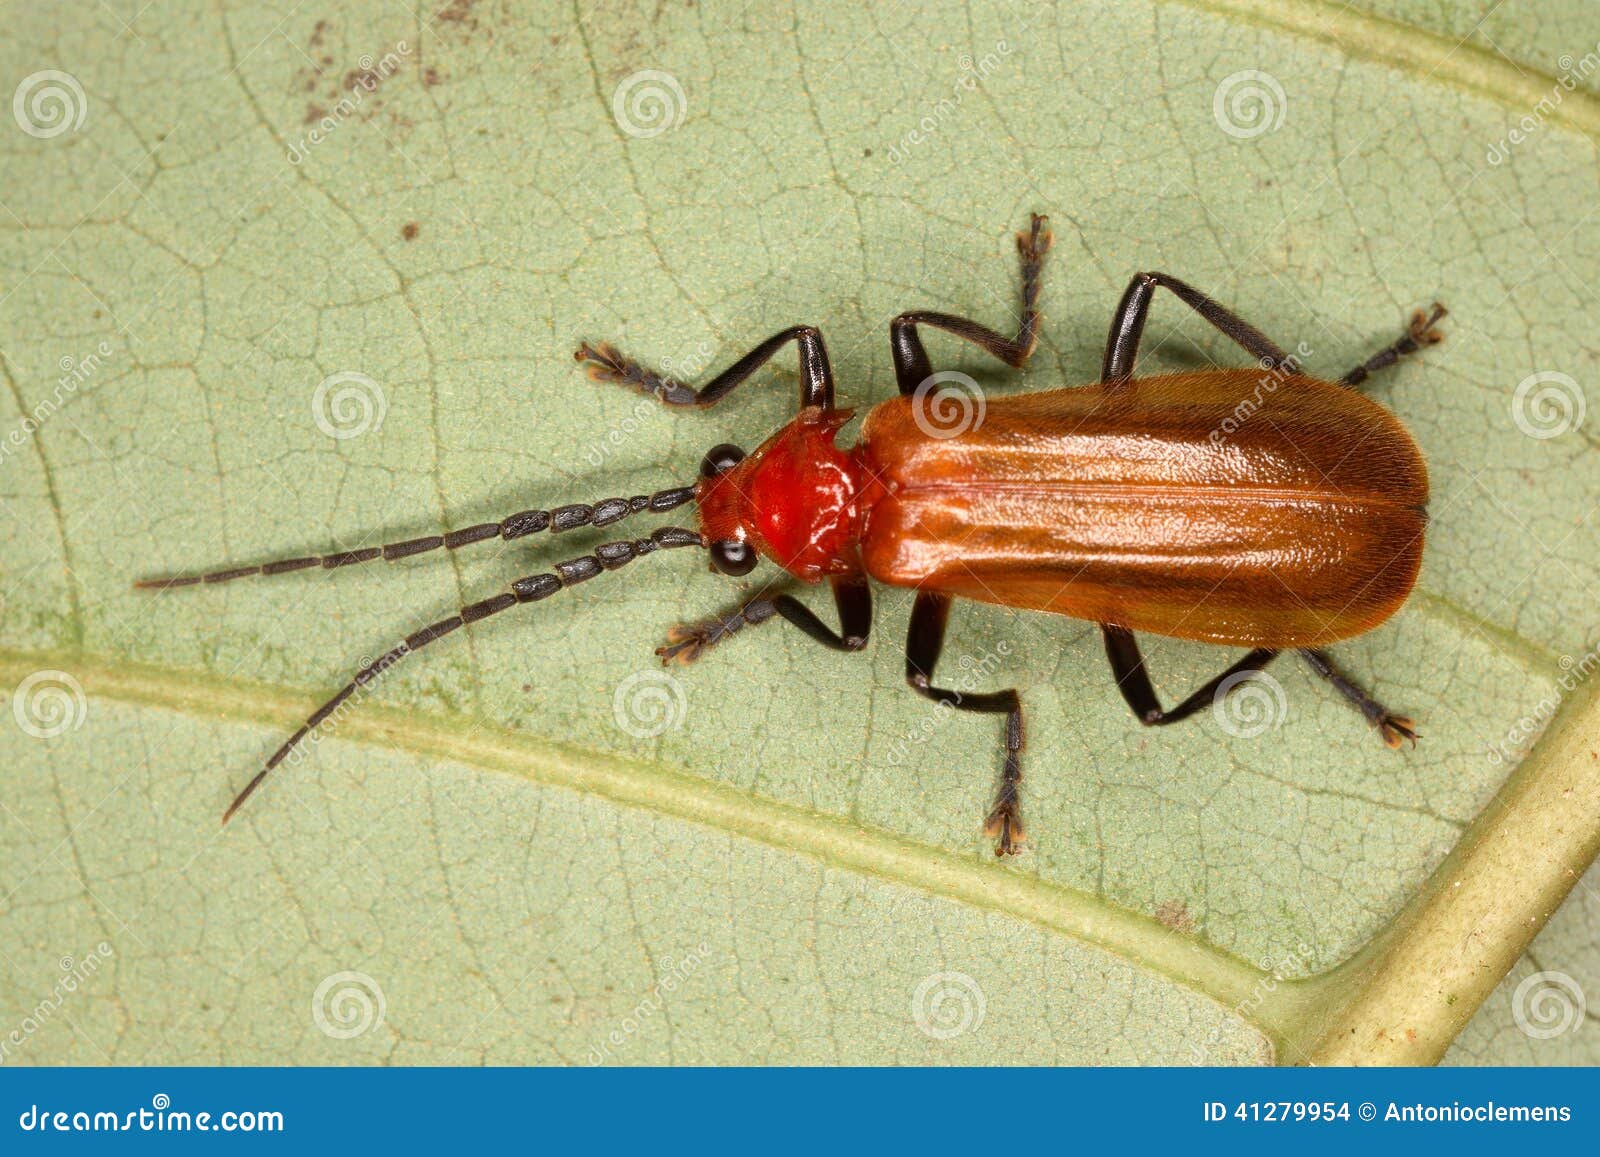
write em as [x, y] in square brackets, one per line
[264, 223]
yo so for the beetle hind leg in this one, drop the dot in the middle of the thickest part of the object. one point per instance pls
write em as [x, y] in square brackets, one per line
[1127, 326]
[1127, 665]
[1394, 729]
[1419, 333]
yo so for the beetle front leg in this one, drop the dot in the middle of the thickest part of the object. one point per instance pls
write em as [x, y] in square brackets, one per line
[607, 364]
[851, 595]
[1394, 729]
[1127, 325]
[929, 616]
[1127, 665]
[911, 365]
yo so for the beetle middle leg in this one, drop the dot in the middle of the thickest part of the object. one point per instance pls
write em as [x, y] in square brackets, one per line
[607, 364]
[851, 595]
[1127, 325]
[1418, 334]
[911, 365]
[1394, 729]
[1127, 665]
[929, 616]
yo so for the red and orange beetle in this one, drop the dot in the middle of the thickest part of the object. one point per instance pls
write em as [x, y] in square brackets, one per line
[1164, 504]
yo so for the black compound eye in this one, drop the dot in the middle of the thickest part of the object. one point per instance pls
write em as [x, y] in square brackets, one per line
[720, 459]
[731, 556]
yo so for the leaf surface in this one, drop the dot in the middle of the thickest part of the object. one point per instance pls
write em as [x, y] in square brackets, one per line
[256, 204]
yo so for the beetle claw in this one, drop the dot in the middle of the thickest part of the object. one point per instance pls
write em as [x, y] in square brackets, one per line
[1421, 328]
[1004, 826]
[1396, 729]
[606, 363]
[1035, 241]
[603, 363]
[684, 644]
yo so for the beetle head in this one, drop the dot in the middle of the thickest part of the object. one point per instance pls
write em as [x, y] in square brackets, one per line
[793, 500]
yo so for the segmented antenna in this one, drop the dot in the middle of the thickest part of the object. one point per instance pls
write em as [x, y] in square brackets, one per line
[606, 557]
[562, 518]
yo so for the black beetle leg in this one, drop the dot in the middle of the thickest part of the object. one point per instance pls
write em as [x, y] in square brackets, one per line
[911, 365]
[929, 616]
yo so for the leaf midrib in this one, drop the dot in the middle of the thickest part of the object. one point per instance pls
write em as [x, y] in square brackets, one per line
[1426, 55]
[1277, 1010]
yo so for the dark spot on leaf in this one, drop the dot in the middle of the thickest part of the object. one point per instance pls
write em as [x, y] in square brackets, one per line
[457, 12]
[410, 230]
